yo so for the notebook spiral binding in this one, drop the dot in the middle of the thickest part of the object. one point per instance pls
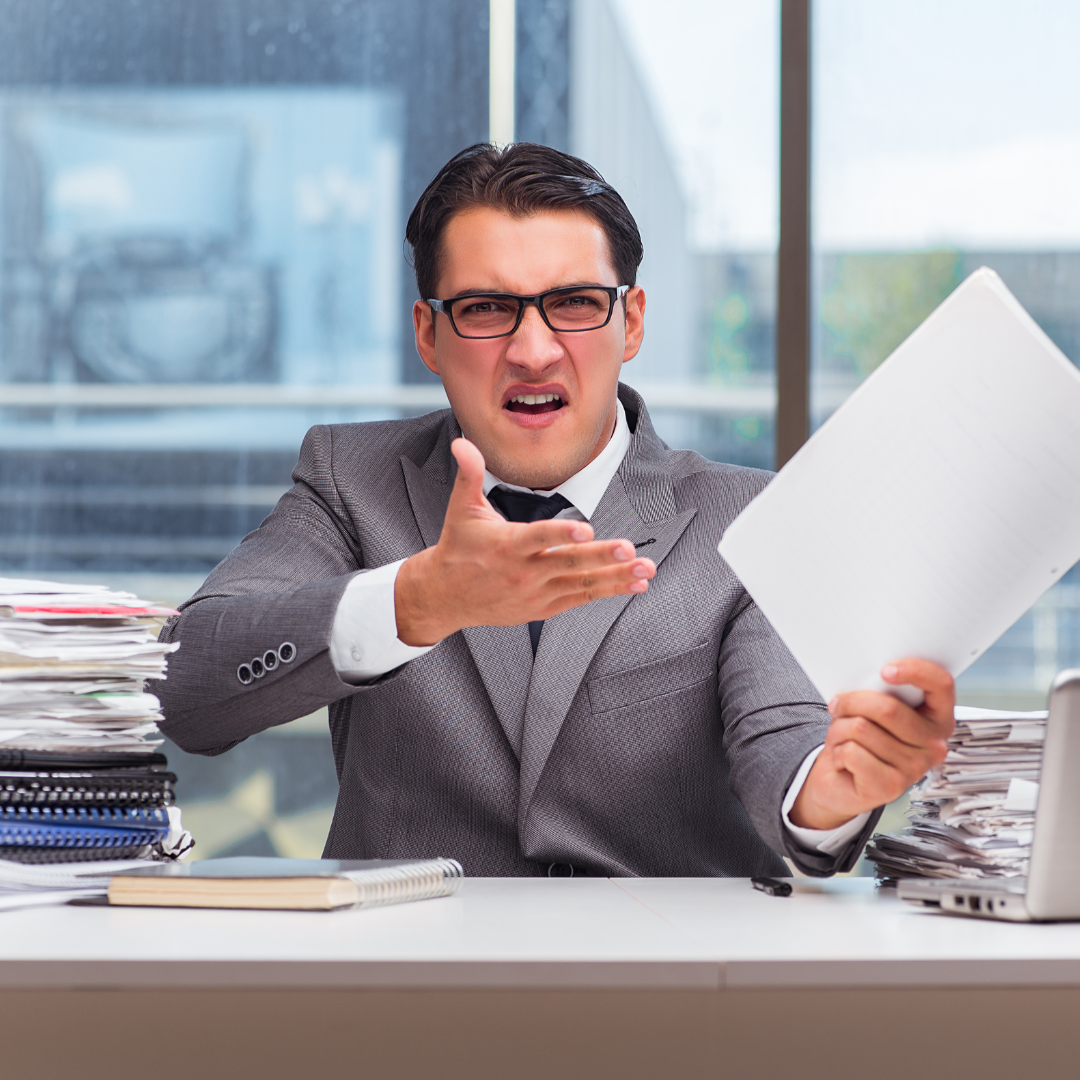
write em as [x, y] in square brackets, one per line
[93, 791]
[32, 834]
[81, 827]
[113, 817]
[397, 884]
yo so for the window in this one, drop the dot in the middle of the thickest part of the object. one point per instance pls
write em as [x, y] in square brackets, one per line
[946, 138]
[202, 208]
[201, 217]
[693, 150]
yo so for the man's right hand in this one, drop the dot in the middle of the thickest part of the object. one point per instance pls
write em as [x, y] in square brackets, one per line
[487, 571]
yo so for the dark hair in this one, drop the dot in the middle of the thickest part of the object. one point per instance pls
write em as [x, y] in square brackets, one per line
[520, 179]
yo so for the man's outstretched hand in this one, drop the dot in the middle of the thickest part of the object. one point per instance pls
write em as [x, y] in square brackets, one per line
[877, 746]
[487, 571]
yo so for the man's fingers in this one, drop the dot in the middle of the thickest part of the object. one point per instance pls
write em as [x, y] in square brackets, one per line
[933, 680]
[900, 720]
[567, 558]
[912, 761]
[573, 590]
[505, 572]
[468, 493]
[589, 571]
[539, 536]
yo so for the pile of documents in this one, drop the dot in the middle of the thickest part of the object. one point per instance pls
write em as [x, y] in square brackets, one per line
[974, 815]
[23, 885]
[80, 775]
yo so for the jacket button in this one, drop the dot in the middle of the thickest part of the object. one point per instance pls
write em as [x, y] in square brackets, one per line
[270, 659]
[257, 668]
[286, 652]
[243, 673]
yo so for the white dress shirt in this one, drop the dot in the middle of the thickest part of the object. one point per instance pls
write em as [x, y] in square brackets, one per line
[364, 642]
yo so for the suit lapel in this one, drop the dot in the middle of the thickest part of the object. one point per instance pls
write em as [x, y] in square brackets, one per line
[639, 505]
[428, 493]
[503, 654]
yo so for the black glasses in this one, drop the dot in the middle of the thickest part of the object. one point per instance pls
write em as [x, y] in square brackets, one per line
[492, 315]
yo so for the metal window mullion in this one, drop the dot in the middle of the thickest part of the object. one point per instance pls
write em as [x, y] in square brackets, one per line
[793, 262]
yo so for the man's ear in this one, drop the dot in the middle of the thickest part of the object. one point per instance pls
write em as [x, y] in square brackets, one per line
[424, 328]
[634, 322]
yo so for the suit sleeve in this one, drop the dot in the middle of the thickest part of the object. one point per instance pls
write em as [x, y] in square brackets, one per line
[773, 717]
[281, 584]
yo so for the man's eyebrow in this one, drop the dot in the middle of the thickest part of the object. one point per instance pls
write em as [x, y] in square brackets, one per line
[488, 291]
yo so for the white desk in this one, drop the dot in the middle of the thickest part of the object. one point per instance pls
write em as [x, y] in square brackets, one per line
[542, 977]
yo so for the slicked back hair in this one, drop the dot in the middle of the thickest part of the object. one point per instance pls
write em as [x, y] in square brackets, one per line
[520, 179]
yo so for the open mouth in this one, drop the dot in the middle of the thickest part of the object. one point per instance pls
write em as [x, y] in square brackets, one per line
[534, 404]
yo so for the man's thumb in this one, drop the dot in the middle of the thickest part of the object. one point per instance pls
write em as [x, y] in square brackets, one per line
[469, 486]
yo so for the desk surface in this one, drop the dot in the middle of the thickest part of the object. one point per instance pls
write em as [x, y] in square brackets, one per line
[536, 933]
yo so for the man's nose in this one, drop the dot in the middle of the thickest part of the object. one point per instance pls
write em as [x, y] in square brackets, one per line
[534, 345]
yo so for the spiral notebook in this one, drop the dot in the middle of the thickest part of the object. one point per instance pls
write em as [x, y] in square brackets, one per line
[103, 761]
[75, 787]
[34, 834]
[81, 827]
[290, 884]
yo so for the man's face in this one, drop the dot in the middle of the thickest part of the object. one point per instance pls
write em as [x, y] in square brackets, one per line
[533, 445]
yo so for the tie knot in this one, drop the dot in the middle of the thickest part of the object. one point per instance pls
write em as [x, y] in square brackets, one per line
[526, 505]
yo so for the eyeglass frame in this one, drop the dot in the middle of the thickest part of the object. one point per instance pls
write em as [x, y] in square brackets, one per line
[614, 292]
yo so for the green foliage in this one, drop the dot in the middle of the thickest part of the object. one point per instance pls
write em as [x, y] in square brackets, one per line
[747, 427]
[877, 300]
[729, 315]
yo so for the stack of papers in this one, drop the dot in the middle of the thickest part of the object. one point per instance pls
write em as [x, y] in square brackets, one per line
[33, 886]
[72, 664]
[974, 815]
[80, 776]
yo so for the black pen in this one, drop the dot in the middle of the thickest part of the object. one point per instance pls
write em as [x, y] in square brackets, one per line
[772, 886]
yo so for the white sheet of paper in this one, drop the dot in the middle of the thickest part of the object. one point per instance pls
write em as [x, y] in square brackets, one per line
[26, 898]
[1022, 795]
[932, 509]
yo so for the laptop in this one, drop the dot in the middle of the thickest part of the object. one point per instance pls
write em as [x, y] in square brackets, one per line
[1051, 891]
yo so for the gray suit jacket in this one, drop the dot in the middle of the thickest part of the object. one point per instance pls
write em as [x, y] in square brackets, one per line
[652, 735]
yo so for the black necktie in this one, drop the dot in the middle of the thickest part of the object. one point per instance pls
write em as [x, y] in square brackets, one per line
[527, 506]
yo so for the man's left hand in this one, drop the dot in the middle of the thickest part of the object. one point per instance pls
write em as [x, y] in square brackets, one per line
[877, 746]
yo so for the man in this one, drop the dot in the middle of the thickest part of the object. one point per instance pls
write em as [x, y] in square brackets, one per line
[534, 658]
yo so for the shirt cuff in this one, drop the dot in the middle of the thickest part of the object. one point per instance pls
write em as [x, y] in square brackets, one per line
[827, 841]
[363, 640]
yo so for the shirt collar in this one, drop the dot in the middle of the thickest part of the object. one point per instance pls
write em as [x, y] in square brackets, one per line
[586, 488]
